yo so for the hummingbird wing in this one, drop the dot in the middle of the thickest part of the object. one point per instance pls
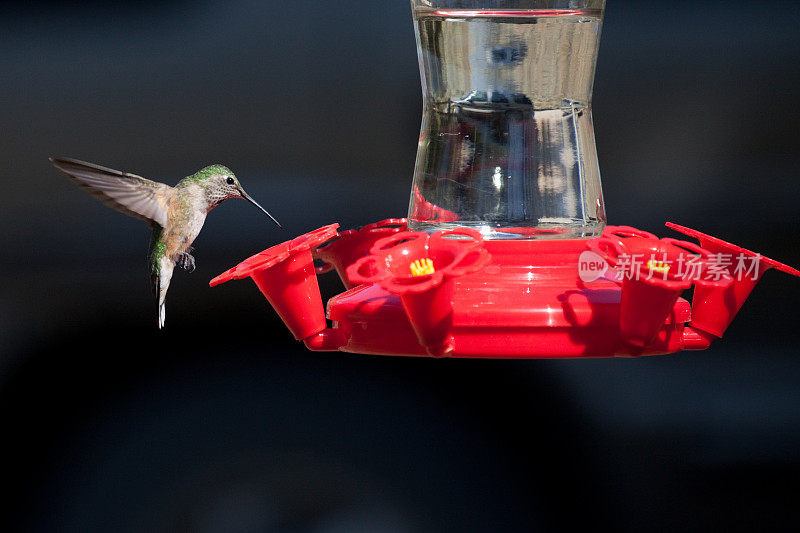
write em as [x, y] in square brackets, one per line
[128, 193]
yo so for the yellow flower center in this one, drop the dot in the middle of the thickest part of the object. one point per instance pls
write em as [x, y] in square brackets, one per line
[421, 267]
[658, 266]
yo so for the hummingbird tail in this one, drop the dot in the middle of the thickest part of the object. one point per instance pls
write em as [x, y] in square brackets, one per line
[162, 313]
[161, 276]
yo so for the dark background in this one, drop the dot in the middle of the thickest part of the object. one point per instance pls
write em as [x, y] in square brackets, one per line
[223, 423]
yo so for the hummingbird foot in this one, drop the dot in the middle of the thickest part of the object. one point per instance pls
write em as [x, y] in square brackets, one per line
[185, 260]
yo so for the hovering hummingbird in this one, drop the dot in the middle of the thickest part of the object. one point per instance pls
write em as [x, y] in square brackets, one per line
[174, 214]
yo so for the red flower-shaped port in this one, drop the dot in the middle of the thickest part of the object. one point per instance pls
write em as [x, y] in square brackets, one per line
[351, 245]
[277, 254]
[399, 262]
[667, 263]
[420, 268]
[716, 245]
[286, 276]
[714, 308]
[654, 273]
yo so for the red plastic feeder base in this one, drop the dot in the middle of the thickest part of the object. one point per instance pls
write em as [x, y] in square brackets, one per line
[459, 296]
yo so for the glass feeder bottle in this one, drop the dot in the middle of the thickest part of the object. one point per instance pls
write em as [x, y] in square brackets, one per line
[507, 142]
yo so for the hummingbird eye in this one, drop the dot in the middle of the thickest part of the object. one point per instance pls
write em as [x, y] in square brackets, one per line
[229, 180]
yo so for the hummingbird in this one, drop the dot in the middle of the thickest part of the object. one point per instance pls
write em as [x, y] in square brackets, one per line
[175, 214]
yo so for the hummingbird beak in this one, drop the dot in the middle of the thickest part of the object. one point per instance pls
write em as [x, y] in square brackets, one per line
[250, 199]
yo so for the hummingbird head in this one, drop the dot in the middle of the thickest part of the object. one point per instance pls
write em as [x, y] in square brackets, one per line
[220, 184]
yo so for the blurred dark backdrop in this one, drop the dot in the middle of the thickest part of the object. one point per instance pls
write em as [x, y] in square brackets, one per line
[223, 423]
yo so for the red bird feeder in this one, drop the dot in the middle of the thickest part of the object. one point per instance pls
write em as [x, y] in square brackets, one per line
[506, 252]
[452, 293]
